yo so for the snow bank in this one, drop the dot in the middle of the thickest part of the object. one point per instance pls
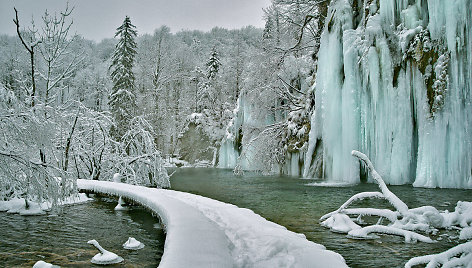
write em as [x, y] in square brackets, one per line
[18, 205]
[210, 233]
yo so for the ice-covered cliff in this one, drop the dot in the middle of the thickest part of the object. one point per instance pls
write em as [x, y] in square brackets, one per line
[395, 82]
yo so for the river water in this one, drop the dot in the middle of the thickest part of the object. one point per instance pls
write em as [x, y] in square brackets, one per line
[62, 239]
[290, 202]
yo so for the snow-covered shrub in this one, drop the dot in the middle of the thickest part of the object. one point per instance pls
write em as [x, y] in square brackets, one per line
[27, 154]
[137, 158]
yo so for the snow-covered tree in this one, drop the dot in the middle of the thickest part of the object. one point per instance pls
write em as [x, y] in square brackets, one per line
[213, 64]
[122, 99]
[139, 161]
[58, 61]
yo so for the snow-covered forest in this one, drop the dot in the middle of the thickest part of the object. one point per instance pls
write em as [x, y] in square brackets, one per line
[73, 108]
[289, 98]
[389, 78]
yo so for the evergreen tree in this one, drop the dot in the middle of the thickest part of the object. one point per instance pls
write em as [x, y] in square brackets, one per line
[213, 64]
[122, 98]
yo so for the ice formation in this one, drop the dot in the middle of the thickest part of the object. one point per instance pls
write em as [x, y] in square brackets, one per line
[105, 257]
[202, 232]
[395, 81]
[404, 222]
[132, 243]
[120, 204]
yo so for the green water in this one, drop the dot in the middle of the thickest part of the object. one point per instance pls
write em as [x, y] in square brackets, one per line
[289, 202]
[62, 239]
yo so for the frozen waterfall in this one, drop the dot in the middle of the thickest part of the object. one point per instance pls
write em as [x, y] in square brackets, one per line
[394, 82]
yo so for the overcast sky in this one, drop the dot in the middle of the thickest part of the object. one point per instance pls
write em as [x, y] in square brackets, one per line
[98, 19]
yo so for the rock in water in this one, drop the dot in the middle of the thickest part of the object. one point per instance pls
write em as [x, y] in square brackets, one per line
[132, 243]
[104, 257]
[43, 264]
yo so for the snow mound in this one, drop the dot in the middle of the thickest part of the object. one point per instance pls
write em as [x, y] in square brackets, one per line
[210, 233]
[466, 233]
[18, 205]
[132, 243]
[340, 223]
[43, 264]
[105, 257]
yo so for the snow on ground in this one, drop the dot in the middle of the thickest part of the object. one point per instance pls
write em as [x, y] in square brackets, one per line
[203, 232]
[18, 205]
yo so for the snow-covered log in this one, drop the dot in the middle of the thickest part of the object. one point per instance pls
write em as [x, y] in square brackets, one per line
[202, 232]
[384, 213]
[340, 223]
[391, 197]
[458, 256]
[365, 233]
[356, 197]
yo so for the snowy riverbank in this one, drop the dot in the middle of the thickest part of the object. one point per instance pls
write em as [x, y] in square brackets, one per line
[202, 232]
[18, 205]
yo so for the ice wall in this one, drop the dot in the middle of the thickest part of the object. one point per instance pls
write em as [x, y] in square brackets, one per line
[395, 82]
[242, 130]
[230, 146]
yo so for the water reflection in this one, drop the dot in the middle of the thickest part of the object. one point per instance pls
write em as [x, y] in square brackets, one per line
[62, 239]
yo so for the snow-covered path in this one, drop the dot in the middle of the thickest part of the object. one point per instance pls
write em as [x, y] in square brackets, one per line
[203, 232]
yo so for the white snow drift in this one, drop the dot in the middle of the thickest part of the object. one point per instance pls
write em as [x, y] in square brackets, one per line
[202, 232]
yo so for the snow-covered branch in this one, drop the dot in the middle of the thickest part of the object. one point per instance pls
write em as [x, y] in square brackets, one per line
[404, 222]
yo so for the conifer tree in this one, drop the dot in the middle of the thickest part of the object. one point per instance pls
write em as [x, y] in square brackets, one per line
[122, 98]
[213, 64]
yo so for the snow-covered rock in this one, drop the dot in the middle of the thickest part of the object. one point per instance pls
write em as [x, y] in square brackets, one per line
[18, 205]
[105, 257]
[43, 264]
[340, 223]
[132, 243]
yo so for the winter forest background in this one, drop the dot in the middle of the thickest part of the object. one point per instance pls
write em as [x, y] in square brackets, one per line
[64, 117]
[286, 99]
[388, 82]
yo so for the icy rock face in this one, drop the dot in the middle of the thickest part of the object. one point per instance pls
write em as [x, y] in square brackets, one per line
[395, 81]
[245, 146]
[231, 145]
[195, 144]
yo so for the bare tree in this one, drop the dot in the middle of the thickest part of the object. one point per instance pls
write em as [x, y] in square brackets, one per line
[30, 48]
[55, 49]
